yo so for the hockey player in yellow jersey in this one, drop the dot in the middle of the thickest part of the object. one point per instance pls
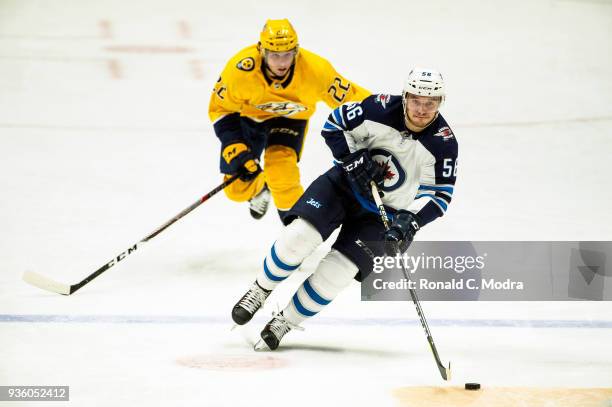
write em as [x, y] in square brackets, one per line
[261, 104]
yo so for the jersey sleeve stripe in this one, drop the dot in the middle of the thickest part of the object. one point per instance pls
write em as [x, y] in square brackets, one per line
[445, 196]
[440, 202]
[331, 126]
[338, 118]
[342, 117]
[442, 188]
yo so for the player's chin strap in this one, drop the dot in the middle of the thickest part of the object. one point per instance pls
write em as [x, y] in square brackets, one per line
[445, 372]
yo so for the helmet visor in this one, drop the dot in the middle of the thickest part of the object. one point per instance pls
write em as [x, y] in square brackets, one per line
[273, 56]
[422, 103]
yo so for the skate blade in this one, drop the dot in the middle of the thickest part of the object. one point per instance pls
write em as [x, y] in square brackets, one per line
[261, 346]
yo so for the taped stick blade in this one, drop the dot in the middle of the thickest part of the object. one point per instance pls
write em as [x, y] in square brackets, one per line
[44, 283]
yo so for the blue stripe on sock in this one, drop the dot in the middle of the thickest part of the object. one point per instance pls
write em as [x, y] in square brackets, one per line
[314, 295]
[300, 308]
[279, 263]
[270, 275]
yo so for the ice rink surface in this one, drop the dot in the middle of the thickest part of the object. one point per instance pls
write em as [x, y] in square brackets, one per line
[104, 135]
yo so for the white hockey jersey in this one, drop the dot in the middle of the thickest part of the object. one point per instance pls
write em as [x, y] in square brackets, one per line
[420, 168]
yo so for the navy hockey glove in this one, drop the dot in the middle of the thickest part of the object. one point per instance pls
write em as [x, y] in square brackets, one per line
[361, 169]
[241, 161]
[402, 231]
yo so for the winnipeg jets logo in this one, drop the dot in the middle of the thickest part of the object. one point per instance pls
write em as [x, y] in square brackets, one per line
[394, 175]
[444, 132]
[383, 100]
[282, 108]
[387, 171]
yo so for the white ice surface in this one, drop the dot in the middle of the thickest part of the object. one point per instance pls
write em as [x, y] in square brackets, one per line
[90, 163]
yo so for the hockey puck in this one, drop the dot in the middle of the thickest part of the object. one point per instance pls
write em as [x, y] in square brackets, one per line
[472, 386]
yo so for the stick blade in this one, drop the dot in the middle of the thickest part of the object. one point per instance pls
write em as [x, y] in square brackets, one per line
[261, 346]
[44, 283]
[445, 372]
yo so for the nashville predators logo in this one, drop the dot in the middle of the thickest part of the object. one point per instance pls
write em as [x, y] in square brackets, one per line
[282, 108]
[246, 64]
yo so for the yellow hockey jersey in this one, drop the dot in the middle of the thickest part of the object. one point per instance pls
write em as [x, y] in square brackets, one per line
[245, 88]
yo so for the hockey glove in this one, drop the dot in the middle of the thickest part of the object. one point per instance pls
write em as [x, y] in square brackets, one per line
[361, 169]
[402, 231]
[241, 161]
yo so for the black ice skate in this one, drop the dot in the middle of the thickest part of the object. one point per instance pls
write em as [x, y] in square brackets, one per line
[248, 305]
[274, 332]
[258, 205]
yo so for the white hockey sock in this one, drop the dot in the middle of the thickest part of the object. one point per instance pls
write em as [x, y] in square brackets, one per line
[297, 241]
[333, 274]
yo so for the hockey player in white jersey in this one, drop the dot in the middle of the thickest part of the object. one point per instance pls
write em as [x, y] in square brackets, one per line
[405, 146]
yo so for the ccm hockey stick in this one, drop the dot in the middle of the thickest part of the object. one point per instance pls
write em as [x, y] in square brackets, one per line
[444, 372]
[45, 283]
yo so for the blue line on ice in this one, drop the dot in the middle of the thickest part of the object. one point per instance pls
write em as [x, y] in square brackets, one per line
[184, 319]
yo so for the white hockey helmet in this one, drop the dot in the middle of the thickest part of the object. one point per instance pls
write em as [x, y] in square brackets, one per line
[425, 82]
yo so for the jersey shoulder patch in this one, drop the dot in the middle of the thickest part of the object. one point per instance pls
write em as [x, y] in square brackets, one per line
[246, 64]
[383, 100]
[445, 133]
[440, 139]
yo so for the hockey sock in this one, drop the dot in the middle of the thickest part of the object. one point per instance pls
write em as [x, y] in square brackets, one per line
[297, 241]
[333, 274]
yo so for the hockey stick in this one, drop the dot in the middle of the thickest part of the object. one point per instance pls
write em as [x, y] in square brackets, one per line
[445, 372]
[45, 283]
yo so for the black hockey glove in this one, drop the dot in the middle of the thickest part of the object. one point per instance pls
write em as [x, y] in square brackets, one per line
[241, 160]
[361, 169]
[402, 231]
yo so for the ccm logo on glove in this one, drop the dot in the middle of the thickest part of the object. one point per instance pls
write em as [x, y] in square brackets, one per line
[354, 164]
[240, 160]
